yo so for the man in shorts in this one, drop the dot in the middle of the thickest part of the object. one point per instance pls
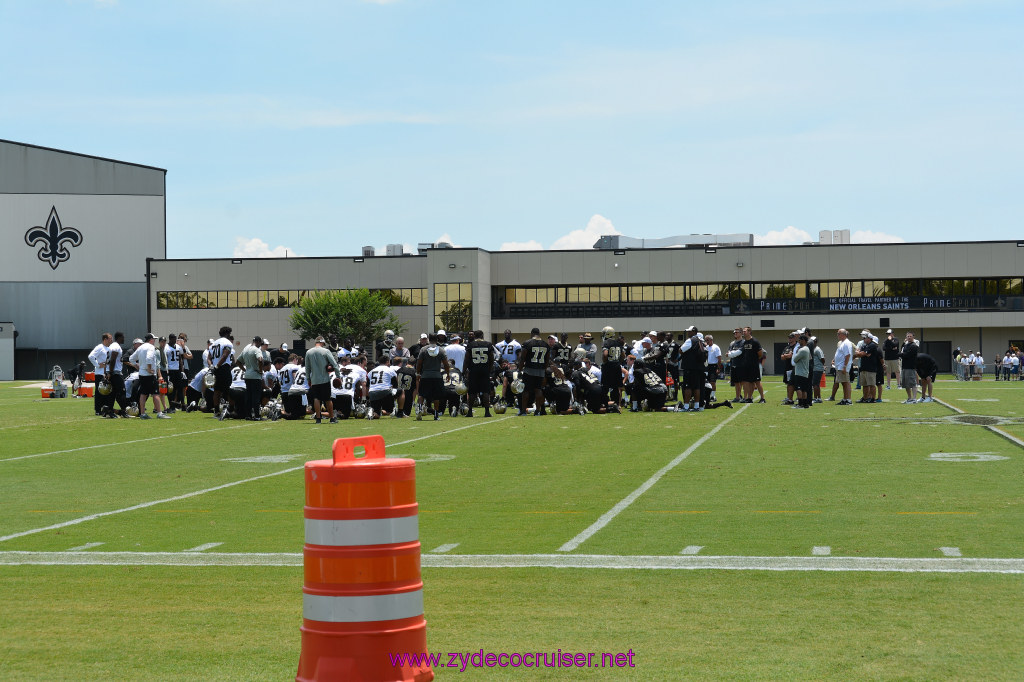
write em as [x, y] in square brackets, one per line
[429, 386]
[842, 361]
[318, 362]
[926, 371]
[908, 377]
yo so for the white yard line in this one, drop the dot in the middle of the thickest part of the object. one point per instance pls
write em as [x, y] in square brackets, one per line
[185, 496]
[992, 428]
[88, 545]
[126, 442]
[444, 548]
[647, 485]
[676, 562]
[203, 548]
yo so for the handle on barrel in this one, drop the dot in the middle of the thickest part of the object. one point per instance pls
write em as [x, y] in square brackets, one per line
[344, 449]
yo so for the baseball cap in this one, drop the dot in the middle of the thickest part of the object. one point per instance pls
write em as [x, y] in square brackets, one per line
[456, 337]
[888, 331]
[691, 328]
[652, 333]
[442, 332]
[645, 340]
[137, 341]
[552, 336]
[588, 335]
[284, 346]
[148, 336]
[423, 335]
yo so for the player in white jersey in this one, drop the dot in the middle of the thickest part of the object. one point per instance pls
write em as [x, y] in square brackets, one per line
[509, 348]
[239, 408]
[222, 353]
[293, 388]
[197, 390]
[381, 388]
[353, 386]
[175, 375]
[98, 357]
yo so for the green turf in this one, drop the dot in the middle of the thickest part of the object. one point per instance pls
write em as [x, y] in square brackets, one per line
[772, 482]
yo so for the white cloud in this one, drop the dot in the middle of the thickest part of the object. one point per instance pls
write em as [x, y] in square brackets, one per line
[596, 227]
[532, 245]
[447, 238]
[794, 235]
[790, 235]
[870, 237]
[257, 248]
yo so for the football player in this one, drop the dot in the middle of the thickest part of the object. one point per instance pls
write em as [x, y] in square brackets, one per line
[293, 388]
[384, 347]
[430, 363]
[222, 353]
[694, 363]
[98, 358]
[406, 385]
[611, 367]
[536, 356]
[559, 392]
[587, 387]
[509, 348]
[479, 361]
[649, 386]
[353, 385]
[383, 384]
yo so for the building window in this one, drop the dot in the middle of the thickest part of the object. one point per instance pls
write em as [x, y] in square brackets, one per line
[453, 305]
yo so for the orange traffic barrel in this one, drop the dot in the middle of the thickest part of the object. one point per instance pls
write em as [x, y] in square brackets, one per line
[362, 598]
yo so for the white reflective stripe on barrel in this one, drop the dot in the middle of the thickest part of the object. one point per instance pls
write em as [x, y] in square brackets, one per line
[362, 531]
[362, 609]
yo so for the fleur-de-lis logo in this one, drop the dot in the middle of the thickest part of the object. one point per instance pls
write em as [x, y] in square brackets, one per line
[52, 238]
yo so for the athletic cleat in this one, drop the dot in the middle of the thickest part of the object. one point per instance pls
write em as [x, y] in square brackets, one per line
[144, 416]
[844, 402]
[162, 415]
[728, 404]
[334, 420]
[318, 420]
[759, 401]
[816, 401]
[437, 416]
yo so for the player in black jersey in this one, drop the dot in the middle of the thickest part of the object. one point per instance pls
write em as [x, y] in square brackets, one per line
[587, 386]
[649, 386]
[611, 367]
[479, 361]
[534, 358]
[406, 385]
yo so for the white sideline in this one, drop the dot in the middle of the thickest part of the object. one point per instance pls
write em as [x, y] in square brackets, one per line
[671, 562]
[647, 485]
[185, 496]
[127, 442]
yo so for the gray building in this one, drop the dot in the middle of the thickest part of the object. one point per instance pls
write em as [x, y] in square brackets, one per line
[79, 231]
[965, 294]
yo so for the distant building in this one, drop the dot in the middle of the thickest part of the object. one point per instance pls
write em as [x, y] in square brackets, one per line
[79, 230]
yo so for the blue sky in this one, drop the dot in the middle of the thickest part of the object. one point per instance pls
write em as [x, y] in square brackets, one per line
[321, 127]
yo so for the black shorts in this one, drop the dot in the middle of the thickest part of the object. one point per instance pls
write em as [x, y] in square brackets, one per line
[656, 399]
[223, 376]
[148, 385]
[693, 379]
[747, 374]
[321, 392]
[479, 382]
[532, 383]
[382, 400]
[611, 376]
[431, 388]
[928, 372]
[561, 399]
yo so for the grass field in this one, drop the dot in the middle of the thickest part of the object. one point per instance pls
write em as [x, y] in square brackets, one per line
[880, 541]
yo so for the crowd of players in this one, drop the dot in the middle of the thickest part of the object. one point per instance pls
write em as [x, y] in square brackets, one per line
[451, 375]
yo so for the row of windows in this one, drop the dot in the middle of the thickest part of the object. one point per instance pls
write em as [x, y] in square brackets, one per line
[171, 300]
[453, 305]
[759, 290]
